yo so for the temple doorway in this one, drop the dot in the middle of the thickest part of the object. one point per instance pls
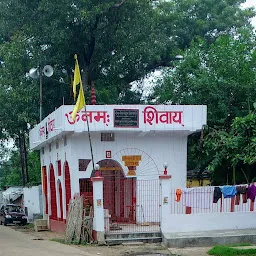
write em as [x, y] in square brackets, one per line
[119, 192]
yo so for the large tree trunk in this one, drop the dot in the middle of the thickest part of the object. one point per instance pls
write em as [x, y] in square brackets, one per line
[25, 153]
[22, 161]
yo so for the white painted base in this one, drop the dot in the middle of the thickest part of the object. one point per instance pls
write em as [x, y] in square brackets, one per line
[207, 222]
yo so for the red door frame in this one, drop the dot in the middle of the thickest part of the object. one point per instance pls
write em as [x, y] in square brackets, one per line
[113, 179]
[60, 200]
[45, 192]
[67, 184]
[53, 201]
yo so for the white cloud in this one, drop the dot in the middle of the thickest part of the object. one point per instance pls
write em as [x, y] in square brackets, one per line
[250, 3]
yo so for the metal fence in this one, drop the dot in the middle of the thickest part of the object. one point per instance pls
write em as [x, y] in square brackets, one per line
[201, 200]
[131, 205]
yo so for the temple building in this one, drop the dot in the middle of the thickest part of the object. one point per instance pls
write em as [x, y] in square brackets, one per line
[132, 145]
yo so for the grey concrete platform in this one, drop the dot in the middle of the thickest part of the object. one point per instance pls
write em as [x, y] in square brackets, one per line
[209, 238]
[144, 237]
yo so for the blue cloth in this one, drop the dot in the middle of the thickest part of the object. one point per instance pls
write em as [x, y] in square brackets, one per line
[228, 191]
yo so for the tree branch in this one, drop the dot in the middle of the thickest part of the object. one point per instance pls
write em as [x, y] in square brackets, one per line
[119, 5]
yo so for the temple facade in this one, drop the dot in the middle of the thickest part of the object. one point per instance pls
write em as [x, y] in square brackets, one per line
[132, 144]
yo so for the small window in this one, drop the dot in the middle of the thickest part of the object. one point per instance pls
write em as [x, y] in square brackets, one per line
[50, 147]
[65, 141]
[57, 144]
[83, 164]
[107, 136]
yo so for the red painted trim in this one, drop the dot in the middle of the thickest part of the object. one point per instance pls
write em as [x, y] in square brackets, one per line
[188, 210]
[94, 235]
[97, 179]
[67, 184]
[252, 206]
[58, 226]
[108, 154]
[44, 180]
[60, 201]
[53, 201]
[59, 167]
[221, 204]
[165, 177]
[232, 206]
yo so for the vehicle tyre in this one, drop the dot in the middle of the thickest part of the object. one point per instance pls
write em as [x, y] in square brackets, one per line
[5, 223]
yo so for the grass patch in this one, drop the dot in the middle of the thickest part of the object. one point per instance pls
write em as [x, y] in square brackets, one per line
[226, 250]
[238, 245]
[30, 225]
[26, 227]
[63, 241]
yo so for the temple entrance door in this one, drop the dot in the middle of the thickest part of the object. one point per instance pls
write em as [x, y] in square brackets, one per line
[118, 192]
[109, 192]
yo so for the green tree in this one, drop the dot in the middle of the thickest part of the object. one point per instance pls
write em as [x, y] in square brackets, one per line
[220, 75]
[234, 151]
[117, 42]
[11, 173]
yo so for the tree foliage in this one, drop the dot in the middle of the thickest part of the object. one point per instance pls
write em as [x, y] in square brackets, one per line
[236, 149]
[11, 174]
[117, 42]
[220, 75]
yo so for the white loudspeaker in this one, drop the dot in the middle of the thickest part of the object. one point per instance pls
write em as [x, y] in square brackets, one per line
[48, 70]
[34, 73]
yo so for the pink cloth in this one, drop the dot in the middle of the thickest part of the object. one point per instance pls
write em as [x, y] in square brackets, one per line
[252, 192]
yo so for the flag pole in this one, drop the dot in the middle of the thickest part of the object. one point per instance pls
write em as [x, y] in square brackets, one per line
[89, 136]
[80, 103]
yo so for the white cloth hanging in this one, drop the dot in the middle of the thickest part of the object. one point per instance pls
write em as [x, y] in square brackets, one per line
[200, 197]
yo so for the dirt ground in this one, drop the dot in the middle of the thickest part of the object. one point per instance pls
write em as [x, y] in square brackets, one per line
[52, 248]
[126, 250]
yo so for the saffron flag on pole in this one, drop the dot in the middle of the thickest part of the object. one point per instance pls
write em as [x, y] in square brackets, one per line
[80, 102]
[77, 76]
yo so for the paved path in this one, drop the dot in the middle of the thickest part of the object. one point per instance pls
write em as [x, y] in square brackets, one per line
[14, 243]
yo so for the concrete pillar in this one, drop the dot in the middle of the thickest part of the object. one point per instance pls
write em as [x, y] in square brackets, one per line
[98, 220]
[165, 199]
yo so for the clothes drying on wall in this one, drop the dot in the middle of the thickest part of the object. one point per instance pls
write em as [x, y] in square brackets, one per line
[252, 192]
[228, 191]
[178, 195]
[217, 194]
[198, 197]
[204, 197]
[241, 190]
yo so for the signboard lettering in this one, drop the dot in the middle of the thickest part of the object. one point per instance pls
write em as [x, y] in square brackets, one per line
[126, 118]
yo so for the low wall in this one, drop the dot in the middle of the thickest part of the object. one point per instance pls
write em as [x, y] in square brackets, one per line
[57, 226]
[206, 222]
[33, 200]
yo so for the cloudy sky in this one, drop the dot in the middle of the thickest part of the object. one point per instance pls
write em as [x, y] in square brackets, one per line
[250, 3]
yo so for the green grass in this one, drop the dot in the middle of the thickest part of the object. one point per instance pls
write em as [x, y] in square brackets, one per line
[226, 250]
[27, 227]
[237, 245]
[30, 225]
[63, 241]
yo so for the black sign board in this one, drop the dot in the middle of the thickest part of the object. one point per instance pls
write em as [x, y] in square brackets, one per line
[126, 118]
